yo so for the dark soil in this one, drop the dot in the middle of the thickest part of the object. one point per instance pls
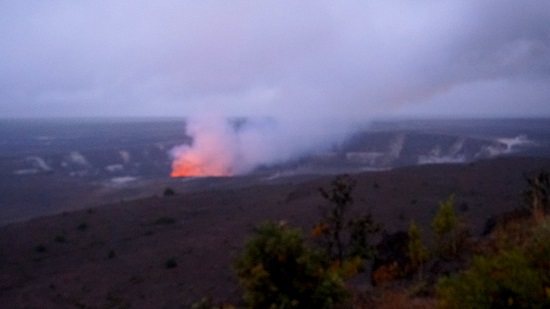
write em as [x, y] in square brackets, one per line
[170, 251]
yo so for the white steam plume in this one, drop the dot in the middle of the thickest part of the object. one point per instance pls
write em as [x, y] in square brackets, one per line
[221, 148]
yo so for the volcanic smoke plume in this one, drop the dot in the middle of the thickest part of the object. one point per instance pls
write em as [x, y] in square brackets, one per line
[212, 152]
[221, 147]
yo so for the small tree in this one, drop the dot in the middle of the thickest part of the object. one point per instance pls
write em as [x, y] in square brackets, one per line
[515, 277]
[342, 238]
[333, 222]
[503, 281]
[417, 252]
[537, 195]
[362, 230]
[277, 270]
[444, 225]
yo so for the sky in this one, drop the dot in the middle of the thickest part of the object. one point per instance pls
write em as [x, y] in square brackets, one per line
[308, 59]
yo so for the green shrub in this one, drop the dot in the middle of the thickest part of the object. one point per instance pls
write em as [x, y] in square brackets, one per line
[537, 195]
[512, 278]
[445, 220]
[277, 270]
[362, 230]
[333, 221]
[416, 250]
[344, 239]
[538, 252]
[451, 234]
[506, 280]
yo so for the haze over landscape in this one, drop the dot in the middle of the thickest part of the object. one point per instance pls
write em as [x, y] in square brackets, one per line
[317, 71]
[313, 59]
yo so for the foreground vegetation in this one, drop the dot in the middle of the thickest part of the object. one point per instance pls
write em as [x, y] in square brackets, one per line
[281, 267]
[512, 266]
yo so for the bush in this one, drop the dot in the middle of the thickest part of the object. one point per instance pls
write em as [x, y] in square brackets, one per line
[277, 270]
[333, 221]
[538, 252]
[386, 273]
[362, 230]
[392, 259]
[445, 220]
[516, 277]
[506, 280]
[417, 252]
[169, 192]
[537, 195]
[344, 239]
[451, 234]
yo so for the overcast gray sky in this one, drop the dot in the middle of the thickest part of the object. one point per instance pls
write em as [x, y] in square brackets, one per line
[307, 58]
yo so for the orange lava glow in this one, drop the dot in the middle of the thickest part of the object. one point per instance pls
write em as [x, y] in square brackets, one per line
[192, 166]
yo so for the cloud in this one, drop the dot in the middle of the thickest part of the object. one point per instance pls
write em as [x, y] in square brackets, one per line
[350, 59]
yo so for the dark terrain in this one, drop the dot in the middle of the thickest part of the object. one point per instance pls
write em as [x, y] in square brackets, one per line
[167, 252]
